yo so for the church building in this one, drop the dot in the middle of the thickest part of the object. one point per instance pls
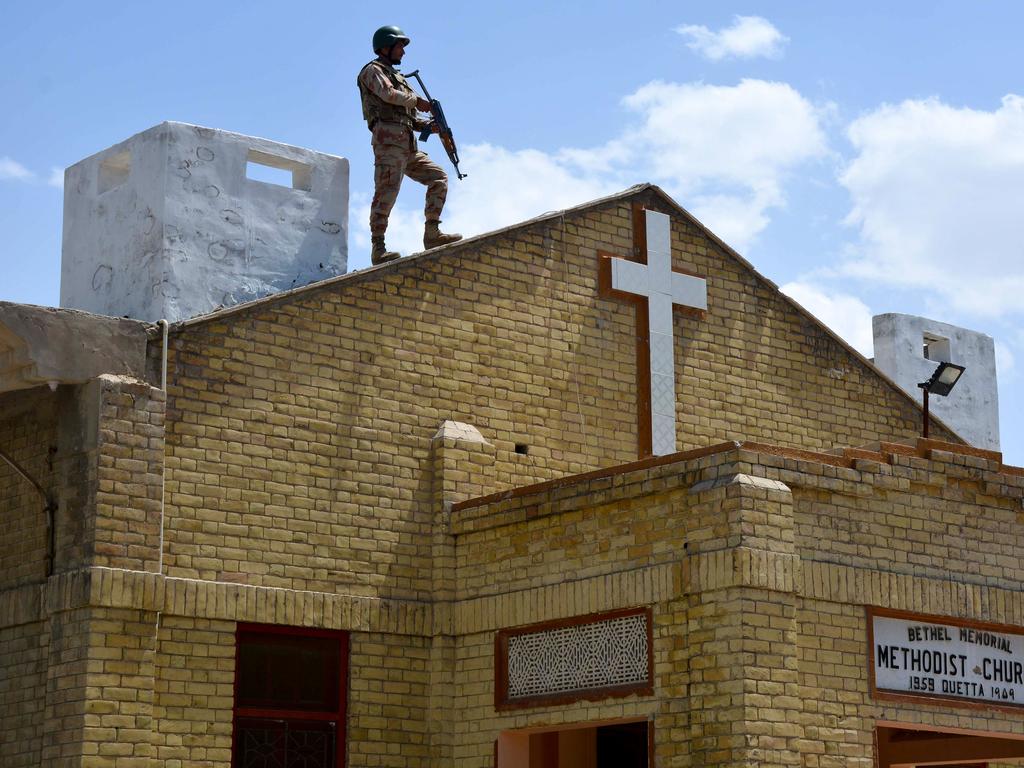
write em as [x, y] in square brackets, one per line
[585, 492]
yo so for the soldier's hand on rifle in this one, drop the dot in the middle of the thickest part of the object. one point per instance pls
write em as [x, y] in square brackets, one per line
[422, 105]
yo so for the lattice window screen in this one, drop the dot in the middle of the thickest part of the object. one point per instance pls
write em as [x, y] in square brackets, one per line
[599, 654]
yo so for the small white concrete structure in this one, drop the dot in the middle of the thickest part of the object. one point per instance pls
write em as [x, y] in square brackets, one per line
[909, 348]
[169, 224]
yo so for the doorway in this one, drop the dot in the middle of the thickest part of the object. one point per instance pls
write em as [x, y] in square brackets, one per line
[908, 746]
[624, 744]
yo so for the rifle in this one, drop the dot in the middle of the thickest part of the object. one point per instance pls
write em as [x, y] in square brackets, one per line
[444, 133]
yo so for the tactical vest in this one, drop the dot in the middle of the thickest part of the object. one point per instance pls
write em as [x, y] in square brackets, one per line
[375, 109]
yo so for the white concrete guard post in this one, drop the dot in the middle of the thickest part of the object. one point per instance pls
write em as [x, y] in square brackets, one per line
[169, 224]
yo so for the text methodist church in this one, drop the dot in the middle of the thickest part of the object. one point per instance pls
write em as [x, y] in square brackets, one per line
[584, 492]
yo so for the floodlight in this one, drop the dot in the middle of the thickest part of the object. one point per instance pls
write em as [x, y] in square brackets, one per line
[943, 380]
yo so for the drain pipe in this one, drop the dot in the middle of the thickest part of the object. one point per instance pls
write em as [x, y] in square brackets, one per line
[51, 510]
[165, 328]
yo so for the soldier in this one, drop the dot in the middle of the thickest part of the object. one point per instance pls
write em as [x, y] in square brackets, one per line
[389, 107]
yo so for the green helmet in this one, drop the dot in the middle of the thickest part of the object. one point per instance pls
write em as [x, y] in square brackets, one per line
[385, 37]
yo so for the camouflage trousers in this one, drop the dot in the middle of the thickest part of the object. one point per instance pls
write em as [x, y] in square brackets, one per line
[395, 155]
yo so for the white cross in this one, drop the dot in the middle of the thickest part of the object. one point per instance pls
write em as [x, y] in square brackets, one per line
[662, 287]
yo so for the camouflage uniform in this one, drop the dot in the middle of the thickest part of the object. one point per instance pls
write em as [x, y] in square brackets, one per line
[389, 106]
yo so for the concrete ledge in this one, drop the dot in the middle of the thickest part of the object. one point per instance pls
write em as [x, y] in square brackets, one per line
[44, 345]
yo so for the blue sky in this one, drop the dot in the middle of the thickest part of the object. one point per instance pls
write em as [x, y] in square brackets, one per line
[868, 157]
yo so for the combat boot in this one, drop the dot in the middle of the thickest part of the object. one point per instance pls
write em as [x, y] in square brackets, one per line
[433, 236]
[380, 254]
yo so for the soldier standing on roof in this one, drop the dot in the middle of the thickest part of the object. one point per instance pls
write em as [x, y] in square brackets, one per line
[389, 107]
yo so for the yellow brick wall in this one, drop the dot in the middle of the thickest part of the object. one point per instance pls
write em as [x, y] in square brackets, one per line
[724, 657]
[646, 518]
[28, 429]
[570, 547]
[103, 468]
[194, 670]
[118, 689]
[389, 701]
[23, 663]
[66, 679]
[968, 529]
[299, 430]
[765, 652]
[834, 705]
[674, 627]
[743, 691]
[130, 459]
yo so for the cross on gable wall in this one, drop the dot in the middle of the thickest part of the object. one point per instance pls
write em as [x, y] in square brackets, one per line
[650, 282]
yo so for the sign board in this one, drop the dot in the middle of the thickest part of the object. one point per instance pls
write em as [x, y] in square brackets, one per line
[934, 658]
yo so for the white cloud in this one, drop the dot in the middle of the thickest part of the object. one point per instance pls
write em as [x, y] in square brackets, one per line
[516, 185]
[847, 315]
[747, 38]
[743, 134]
[936, 194]
[11, 169]
[724, 152]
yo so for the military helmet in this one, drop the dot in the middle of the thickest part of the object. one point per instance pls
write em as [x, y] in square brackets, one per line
[385, 37]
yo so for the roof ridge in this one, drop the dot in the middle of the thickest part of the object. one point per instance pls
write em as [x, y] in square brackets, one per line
[418, 256]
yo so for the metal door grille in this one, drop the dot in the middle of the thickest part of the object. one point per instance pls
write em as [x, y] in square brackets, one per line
[285, 744]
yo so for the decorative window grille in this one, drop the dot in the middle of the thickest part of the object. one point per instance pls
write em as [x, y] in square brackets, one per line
[575, 659]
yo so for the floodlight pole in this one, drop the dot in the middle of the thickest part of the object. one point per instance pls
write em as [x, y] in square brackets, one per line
[922, 386]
